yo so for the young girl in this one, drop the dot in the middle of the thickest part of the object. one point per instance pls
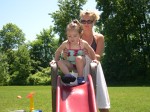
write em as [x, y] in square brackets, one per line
[75, 56]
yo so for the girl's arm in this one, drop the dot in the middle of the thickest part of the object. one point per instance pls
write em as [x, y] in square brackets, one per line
[64, 53]
[59, 50]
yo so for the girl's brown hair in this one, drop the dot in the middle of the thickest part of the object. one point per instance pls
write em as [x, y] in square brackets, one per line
[75, 25]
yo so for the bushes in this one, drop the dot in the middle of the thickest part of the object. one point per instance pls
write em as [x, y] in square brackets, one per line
[40, 78]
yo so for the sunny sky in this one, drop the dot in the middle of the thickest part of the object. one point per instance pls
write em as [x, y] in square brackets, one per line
[31, 15]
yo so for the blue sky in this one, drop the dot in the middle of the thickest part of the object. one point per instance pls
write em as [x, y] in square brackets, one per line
[31, 15]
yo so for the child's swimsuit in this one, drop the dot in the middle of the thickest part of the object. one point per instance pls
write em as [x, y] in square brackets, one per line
[72, 53]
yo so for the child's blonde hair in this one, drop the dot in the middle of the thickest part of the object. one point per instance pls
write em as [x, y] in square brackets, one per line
[75, 25]
[94, 14]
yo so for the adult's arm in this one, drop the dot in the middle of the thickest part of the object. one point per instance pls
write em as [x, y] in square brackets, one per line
[100, 45]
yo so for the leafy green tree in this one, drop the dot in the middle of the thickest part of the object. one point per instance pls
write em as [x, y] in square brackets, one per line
[21, 66]
[4, 74]
[43, 49]
[11, 37]
[68, 10]
[127, 39]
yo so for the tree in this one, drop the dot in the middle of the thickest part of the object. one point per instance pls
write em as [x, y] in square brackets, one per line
[4, 74]
[11, 37]
[21, 66]
[43, 48]
[68, 10]
[127, 39]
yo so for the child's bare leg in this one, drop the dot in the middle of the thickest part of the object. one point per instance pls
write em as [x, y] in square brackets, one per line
[64, 66]
[80, 63]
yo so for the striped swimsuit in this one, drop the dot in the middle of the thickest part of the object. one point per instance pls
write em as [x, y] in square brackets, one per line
[72, 53]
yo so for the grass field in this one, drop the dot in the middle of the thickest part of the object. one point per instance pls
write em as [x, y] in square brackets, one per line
[130, 99]
[9, 101]
[123, 99]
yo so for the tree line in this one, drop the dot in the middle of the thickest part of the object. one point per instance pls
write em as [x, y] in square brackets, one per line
[126, 60]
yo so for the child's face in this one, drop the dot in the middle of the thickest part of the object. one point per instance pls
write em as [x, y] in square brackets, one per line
[73, 36]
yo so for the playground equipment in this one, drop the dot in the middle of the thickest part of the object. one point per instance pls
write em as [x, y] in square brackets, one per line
[30, 96]
[70, 98]
[56, 87]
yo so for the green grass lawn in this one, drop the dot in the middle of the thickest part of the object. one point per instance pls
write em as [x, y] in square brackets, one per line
[123, 99]
[9, 101]
[130, 99]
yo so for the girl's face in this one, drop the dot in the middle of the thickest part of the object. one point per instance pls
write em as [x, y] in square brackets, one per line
[87, 22]
[73, 36]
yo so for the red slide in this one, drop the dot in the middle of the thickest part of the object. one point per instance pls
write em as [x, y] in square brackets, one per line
[79, 98]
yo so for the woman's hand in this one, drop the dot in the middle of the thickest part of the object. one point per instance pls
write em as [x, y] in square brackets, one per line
[53, 62]
[95, 61]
